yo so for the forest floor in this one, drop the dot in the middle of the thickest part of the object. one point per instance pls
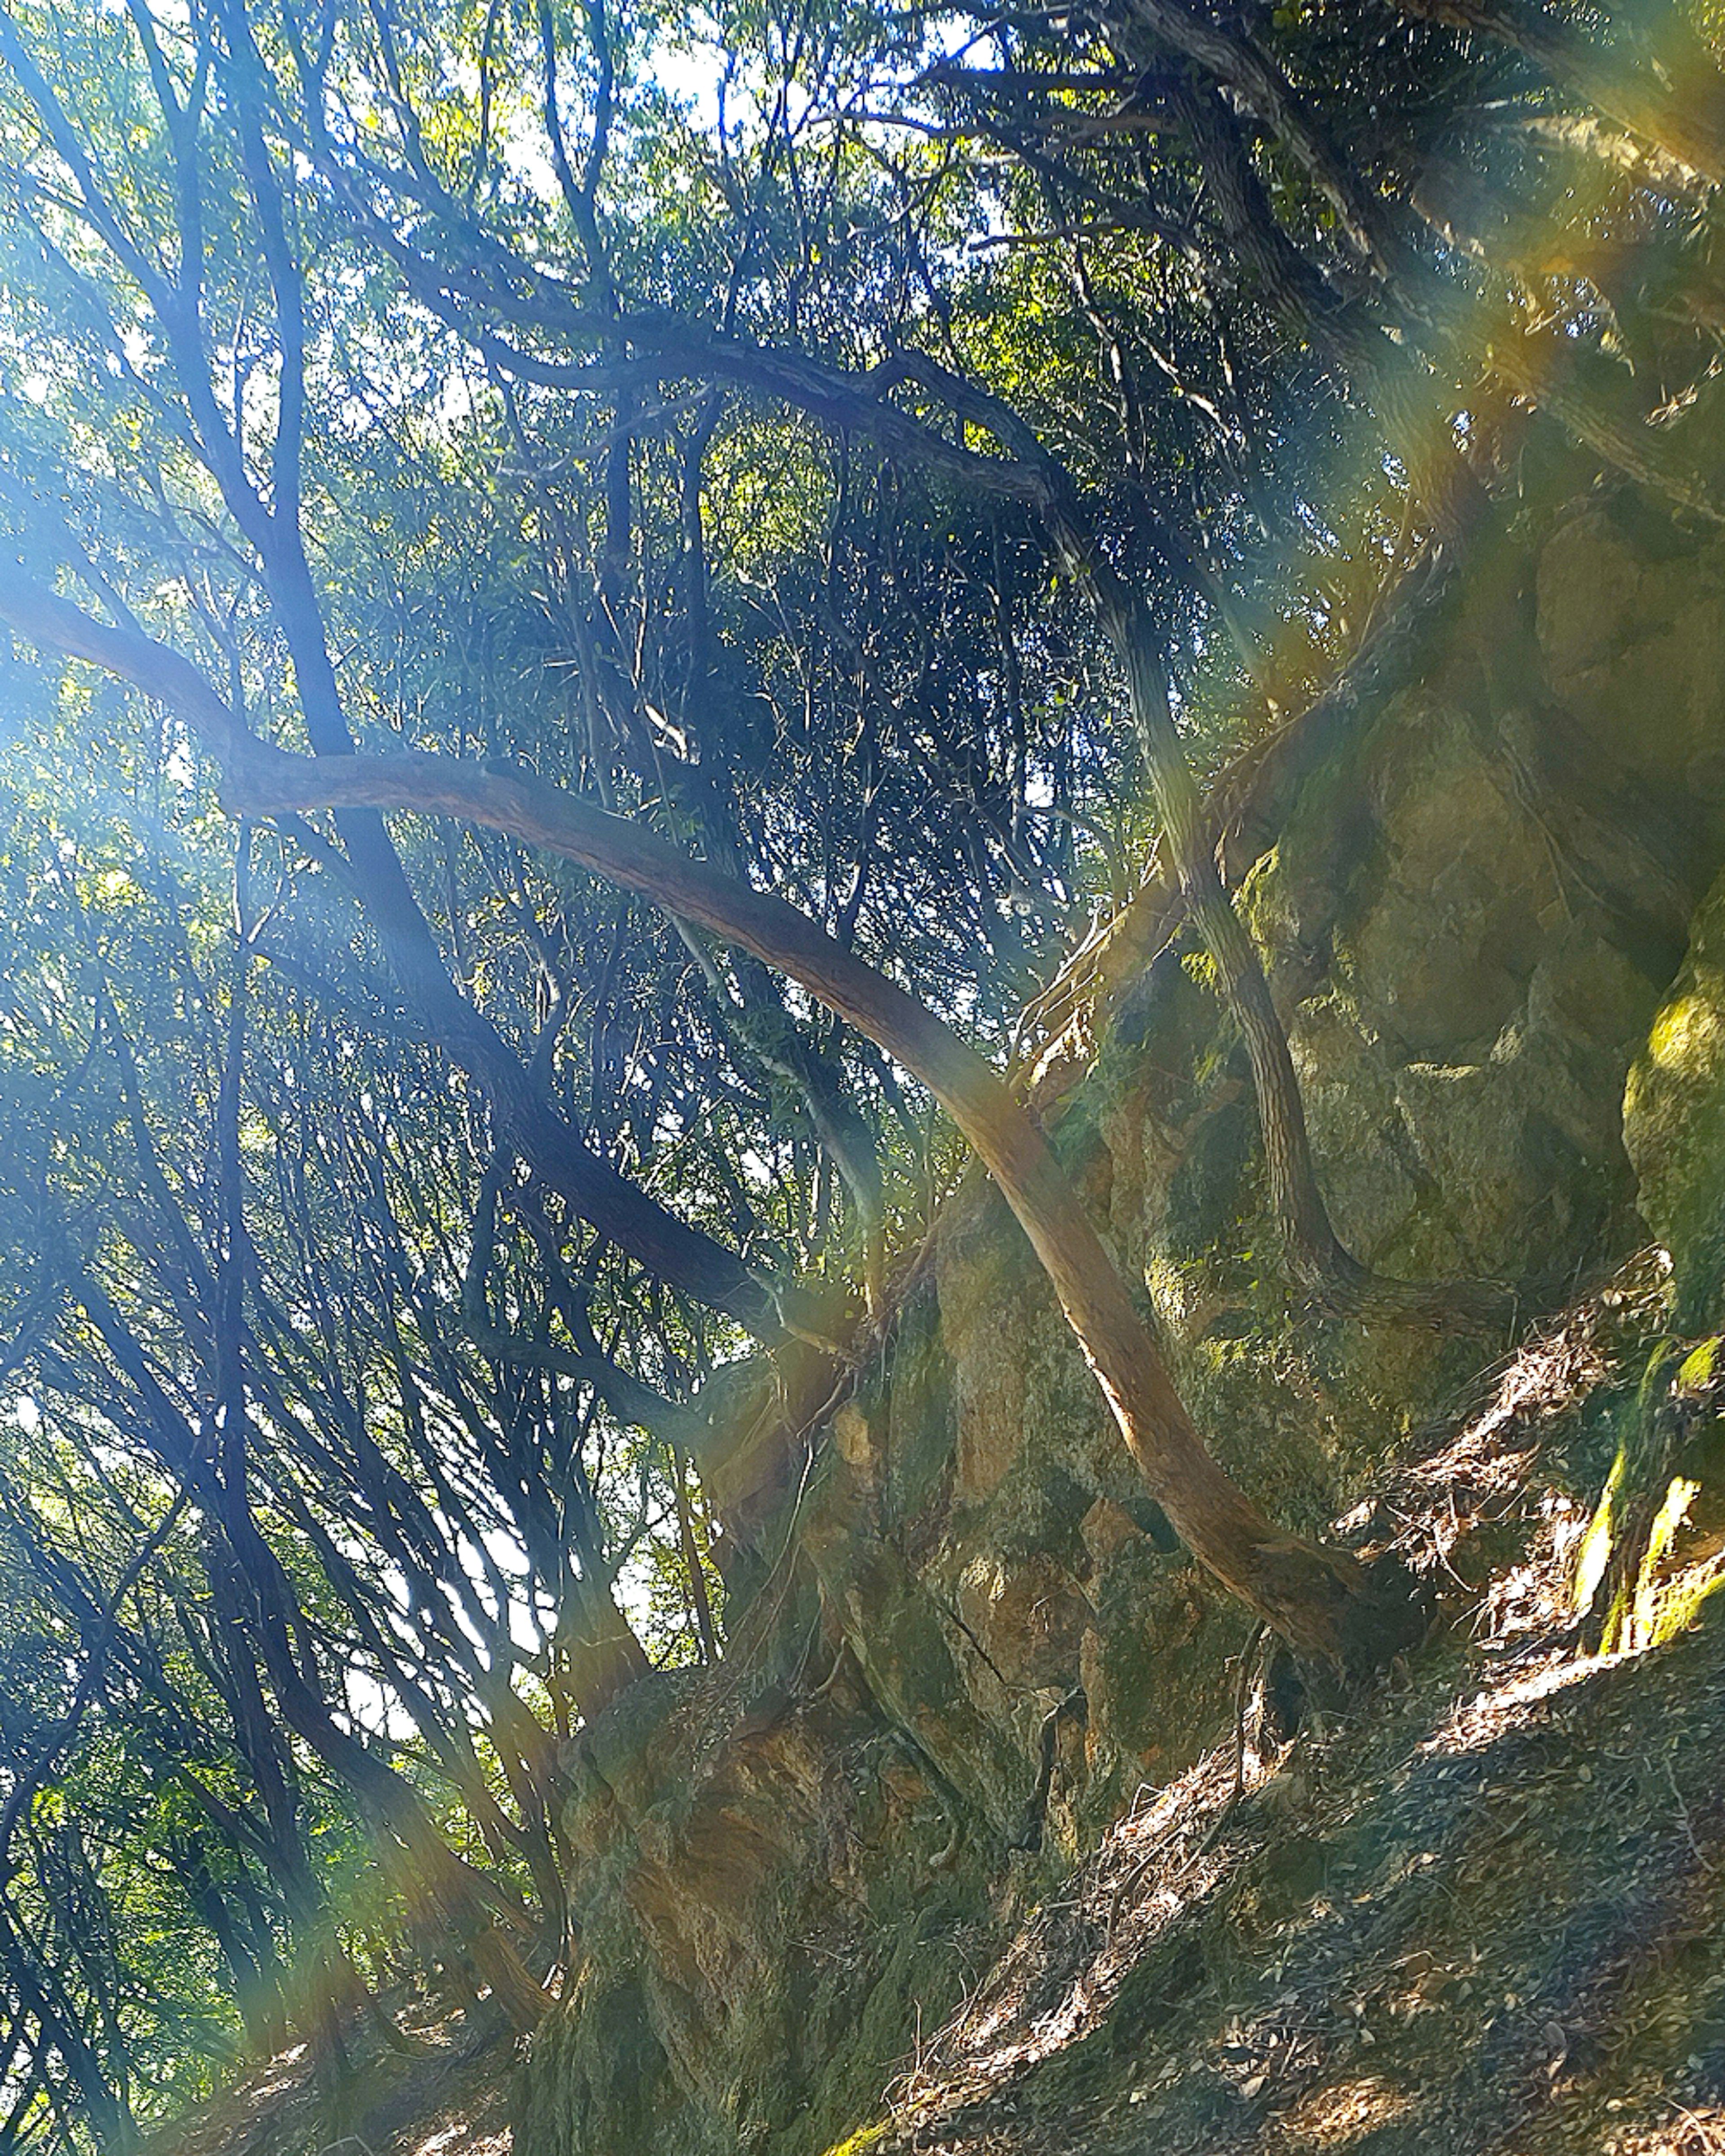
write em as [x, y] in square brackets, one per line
[450, 2097]
[1481, 1918]
[1493, 1928]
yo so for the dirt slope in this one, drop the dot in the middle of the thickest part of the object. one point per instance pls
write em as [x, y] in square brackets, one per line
[1489, 1923]
[1481, 1916]
[451, 2098]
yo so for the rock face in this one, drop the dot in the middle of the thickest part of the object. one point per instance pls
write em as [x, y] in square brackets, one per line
[1474, 912]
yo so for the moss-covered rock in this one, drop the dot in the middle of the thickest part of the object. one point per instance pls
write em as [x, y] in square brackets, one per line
[1674, 1121]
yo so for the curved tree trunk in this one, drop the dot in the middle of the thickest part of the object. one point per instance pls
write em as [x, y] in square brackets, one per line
[1431, 316]
[1320, 1261]
[1029, 474]
[1316, 1598]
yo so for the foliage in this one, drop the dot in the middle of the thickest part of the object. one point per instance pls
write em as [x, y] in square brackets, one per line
[385, 1208]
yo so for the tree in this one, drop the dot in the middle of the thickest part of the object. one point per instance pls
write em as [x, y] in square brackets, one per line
[661, 521]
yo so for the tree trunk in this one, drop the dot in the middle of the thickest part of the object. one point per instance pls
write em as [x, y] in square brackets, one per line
[1315, 1598]
[1320, 1261]
[1680, 107]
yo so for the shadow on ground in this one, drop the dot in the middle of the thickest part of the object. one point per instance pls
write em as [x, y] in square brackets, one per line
[1488, 1923]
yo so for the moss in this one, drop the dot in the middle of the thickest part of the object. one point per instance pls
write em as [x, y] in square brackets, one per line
[1700, 1365]
[1629, 1571]
[1674, 1121]
[1656, 1613]
[1204, 1196]
[860, 2142]
[1595, 1553]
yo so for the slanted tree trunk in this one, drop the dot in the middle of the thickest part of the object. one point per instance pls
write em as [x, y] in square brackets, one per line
[452, 1898]
[41, 2000]
[1320, 1261]
[1316, 1598]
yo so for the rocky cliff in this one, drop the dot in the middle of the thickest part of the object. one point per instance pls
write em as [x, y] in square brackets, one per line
[961, 1637]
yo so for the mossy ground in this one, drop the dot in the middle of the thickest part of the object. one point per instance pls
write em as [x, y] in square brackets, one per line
[1484, 1923]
